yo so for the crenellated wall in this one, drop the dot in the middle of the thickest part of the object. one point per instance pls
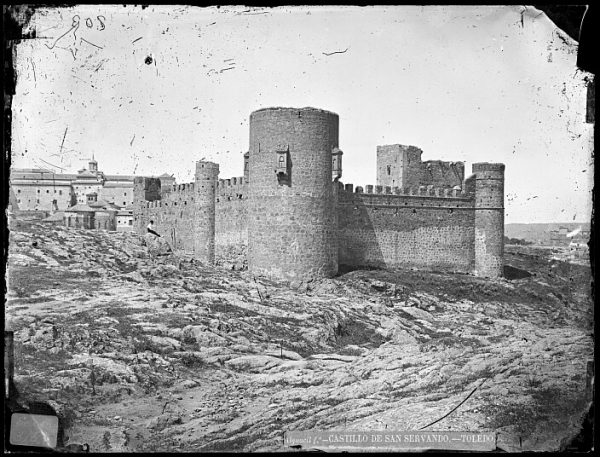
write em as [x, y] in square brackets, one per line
[173, 215]
[422, 227]
[145, 190]
[231, 226]
[296, 223]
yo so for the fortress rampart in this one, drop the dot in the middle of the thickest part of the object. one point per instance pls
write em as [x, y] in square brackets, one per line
[299, 221]
[423, 227]
[231, 227]
[173, 213]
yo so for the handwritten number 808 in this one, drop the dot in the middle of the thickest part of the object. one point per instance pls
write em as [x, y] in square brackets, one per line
[89, 22]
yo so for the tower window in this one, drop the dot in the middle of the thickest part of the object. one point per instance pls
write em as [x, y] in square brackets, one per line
[389, 170]
[336, 163]
[282, 163]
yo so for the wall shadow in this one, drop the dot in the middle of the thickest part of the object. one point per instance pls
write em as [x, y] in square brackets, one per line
[511, 273]
[358, 247]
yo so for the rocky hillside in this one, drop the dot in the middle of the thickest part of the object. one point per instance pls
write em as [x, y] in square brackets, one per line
[140, 349]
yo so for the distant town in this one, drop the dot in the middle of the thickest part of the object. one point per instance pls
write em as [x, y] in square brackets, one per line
[86, 199]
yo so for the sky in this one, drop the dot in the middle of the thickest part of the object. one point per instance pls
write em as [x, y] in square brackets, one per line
[152, 90]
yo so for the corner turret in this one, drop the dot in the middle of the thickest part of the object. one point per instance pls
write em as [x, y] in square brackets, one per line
[207, 174]
[489, 219]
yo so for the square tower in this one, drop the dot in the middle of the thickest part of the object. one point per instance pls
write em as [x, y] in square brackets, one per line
[398, 165]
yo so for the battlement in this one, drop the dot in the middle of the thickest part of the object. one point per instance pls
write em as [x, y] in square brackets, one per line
[177, 188]
[203, 167]
[236, 181]
[486, 166]
[232, 188]
[414, 191]
[281, 109]
[169, 203]
[177, 191]
[187, 187]
[298, 224]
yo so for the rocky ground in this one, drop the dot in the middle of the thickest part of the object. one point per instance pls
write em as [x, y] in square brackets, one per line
[140, 349]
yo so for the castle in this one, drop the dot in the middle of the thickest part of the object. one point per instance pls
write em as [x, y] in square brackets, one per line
[299, 221]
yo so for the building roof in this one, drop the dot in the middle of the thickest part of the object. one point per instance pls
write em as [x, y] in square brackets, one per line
[40, 182]
[85, 171]
[118, 184]
[119, 177]
[33, 177]
[99, 205]
[103, 204]
[32, 173]
[80, 208]
[31, 170]
[57, 216]
[86, 182]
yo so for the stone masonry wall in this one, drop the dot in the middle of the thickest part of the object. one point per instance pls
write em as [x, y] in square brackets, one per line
[424, 228]
[231, 224]
[441, 174]
[400, 165]
[173, 217]
[145, 190]
[297, 224]
[206, 177]
[291, 220]
[489, 219]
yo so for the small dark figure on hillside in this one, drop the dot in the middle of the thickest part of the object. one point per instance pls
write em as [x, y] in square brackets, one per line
[151, 229]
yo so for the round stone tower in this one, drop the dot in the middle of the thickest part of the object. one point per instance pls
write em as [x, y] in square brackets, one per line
[291, 223]
[205, 187]
[489, 219]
